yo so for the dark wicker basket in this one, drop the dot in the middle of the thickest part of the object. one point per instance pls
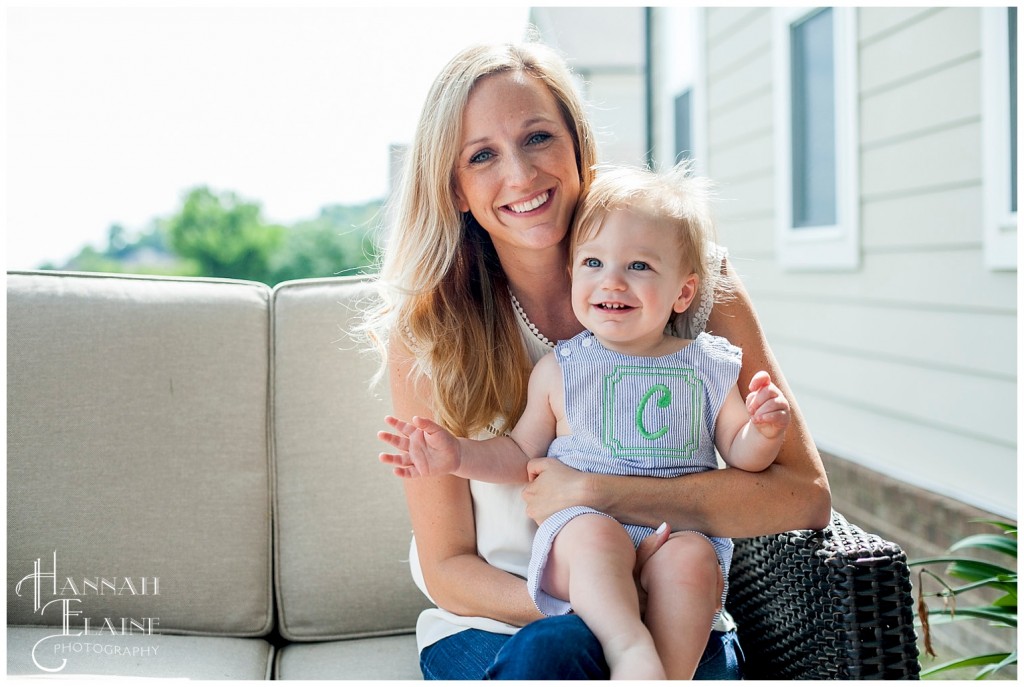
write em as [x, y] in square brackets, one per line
[834, 604]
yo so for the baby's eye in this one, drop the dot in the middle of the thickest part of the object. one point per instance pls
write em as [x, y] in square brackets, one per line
[482, 156]
[591, 262]
[638, 265]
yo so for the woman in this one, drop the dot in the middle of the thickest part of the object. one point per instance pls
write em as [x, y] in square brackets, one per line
[475, 288]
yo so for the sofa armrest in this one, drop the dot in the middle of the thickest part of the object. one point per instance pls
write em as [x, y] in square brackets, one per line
[829, 604]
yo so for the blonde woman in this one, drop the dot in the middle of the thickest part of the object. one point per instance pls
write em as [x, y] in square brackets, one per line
[474, 291]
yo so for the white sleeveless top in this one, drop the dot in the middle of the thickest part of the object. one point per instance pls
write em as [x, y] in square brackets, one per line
[504, 533]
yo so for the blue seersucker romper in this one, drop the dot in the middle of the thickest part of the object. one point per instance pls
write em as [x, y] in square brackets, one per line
[634, 415]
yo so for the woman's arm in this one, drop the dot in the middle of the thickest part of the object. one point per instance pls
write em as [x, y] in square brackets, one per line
[792, 493]
[441, 511]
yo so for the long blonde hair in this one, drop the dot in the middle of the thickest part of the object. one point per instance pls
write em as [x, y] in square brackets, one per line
[443, 290]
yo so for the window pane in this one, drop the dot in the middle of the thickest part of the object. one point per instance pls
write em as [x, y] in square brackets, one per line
[684, 142]
[813, 108]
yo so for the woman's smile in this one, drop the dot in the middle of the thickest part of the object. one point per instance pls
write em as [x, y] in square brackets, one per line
[532, 204]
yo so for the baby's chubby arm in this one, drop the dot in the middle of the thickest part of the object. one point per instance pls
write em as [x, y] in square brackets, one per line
[425, 448]
[749, 434]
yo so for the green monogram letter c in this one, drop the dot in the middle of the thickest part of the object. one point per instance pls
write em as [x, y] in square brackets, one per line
[664, 401]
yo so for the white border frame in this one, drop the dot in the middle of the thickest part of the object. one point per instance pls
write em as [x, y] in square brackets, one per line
[835, 247]
[1000, 224]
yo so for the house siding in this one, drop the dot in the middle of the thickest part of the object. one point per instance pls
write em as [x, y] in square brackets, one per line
[906, 365]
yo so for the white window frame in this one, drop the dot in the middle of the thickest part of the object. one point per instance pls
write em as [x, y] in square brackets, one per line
[836, 246]
[1000, 232]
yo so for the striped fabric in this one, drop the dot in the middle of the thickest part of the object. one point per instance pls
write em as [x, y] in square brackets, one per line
[636, 416]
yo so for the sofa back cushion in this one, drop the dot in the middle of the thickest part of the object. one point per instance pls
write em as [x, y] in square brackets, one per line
[342, 528]
[137, 452]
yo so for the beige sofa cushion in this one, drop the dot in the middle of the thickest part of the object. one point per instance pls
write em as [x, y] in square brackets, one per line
[137, 448]
[342, 528]
[374, 658]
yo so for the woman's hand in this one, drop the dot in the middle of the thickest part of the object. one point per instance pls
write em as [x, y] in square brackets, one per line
[554, 486]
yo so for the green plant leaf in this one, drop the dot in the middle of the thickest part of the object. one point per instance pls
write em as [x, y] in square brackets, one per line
[1010, 660]
[1000, 583]
[991, 542]
[1008, 601]
[977, 574]
[969, 662]
[1005, 616]
[944, 559]
[974, 571]
[997, 583]
[1008, 527]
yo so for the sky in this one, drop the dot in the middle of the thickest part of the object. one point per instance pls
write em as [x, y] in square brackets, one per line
[113, 112]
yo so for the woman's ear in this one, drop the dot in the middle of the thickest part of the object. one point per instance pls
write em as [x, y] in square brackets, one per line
[686, 294]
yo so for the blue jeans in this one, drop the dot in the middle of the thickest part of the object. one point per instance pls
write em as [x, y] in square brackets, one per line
[555, 648]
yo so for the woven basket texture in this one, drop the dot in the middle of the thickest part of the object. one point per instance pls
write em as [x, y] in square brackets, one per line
[824, 605]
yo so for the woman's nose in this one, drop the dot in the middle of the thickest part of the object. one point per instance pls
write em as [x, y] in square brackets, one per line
[520, 169]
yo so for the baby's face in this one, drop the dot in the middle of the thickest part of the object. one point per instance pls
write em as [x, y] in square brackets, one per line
[628, 279]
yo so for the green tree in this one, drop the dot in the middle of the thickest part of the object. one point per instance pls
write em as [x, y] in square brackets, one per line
[117, 239]
[220, 235]
[146, 252]
[224, 235]
[338, 242]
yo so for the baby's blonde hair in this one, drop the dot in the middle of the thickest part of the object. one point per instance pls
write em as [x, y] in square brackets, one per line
[443, 290]
[676, 198]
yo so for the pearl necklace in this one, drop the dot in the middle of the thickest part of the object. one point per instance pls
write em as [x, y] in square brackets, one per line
[526, 320]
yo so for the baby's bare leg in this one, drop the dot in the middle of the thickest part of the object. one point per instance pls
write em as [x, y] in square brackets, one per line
[684, 591]
[591, 565]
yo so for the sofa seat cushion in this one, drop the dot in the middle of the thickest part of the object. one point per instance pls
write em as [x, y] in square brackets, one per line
[146, 656]
[373, 658]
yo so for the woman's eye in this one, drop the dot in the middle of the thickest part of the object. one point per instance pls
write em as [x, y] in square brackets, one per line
[539, 137]
[482, 156]
[638, 265]
[592, 262]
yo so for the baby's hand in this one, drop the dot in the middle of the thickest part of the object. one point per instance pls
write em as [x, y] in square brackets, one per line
[768, 408]
[426, 448]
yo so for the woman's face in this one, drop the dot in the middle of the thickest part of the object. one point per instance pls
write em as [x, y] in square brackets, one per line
[516, 170]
